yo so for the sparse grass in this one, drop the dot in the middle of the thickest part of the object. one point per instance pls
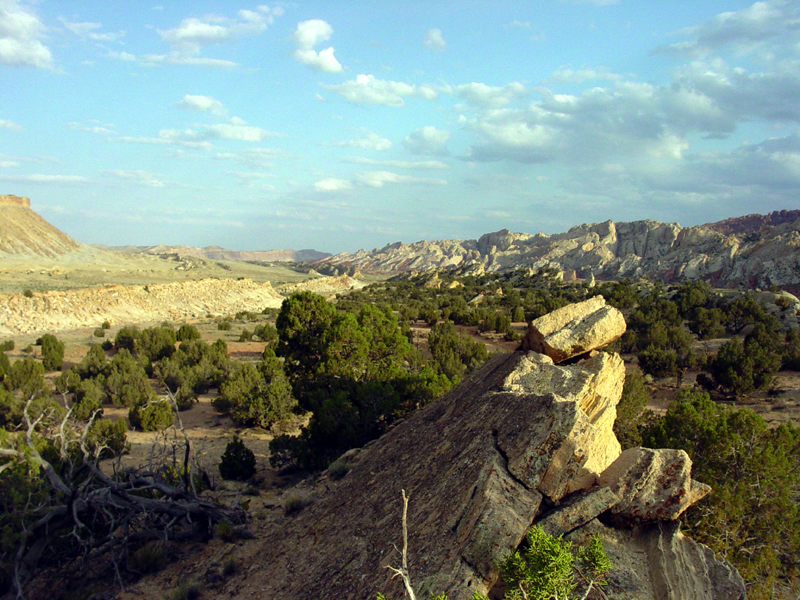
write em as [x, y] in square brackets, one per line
[295, 502]
[225, 531]
[230, 566]
[188, 590]
[338, 469]
[251, 490]
[150, 558]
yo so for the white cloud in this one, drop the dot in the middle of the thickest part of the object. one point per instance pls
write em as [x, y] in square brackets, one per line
[137, 177]
[92, 127]
[744, 31]
[202, 104]
[427, 140]
[89, 31]
[422, 165]
[307, 35]
[567, 75]
[481, 94]
[366, 89]
[6, 124]
[193, 34]
[434, 40]
[378, 179]
[40, 178]
[243, 133]
[368, 141]
[333, 185]
[7, 164]
[123, 56]
[20, 34]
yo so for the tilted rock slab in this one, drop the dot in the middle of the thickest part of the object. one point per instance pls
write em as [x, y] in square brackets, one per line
[575, 329]
[476, 464]
[656, 561]
[655, 485]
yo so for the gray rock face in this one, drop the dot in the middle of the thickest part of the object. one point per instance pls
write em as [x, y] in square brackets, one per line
[575, 329]
[657, 561]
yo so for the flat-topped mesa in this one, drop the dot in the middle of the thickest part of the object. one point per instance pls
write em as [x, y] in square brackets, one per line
[11, 200]
[575, 329]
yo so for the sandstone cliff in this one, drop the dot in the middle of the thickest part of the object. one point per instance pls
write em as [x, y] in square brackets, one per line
[22, 231]
[523, 441]
[749, 252]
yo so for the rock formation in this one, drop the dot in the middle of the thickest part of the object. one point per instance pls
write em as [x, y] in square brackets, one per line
[522, 441]
[753, 251]
[23, 232]
[575, 329]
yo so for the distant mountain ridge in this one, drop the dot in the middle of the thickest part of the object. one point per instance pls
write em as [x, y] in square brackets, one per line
[219, 253]
[750, 251]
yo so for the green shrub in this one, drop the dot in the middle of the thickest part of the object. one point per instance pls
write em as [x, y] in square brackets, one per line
[52, 352]
[87, 400]
[151, 416]
[224, 325]
[238, 462]
[246, 335]
[99, 332]
[106, 325]
[27, 293]
[187, 332]
[126, 338]
[108, 438]
[7, 346]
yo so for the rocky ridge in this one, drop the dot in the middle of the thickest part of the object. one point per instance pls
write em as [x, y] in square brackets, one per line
[749, 252]
[219, 253]
[523, 441]
[57, 310]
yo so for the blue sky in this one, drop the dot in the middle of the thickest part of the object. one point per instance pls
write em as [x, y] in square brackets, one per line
[353, 124]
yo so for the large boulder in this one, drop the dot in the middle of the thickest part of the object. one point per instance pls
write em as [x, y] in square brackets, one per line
[655, 485]
[575, 329]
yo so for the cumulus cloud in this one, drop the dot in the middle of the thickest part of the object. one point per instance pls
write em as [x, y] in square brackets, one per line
[366, 89]
[742, 31]
[481, 94]
[427, 140]
[225, 131]
[368, 141]
[137, 177]
[20, 35]
[6, 124]
[378, 179]
[202, 104]
[332, 185]
[193, 34]
[307, 35]
[434, 40]
[518, 25]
